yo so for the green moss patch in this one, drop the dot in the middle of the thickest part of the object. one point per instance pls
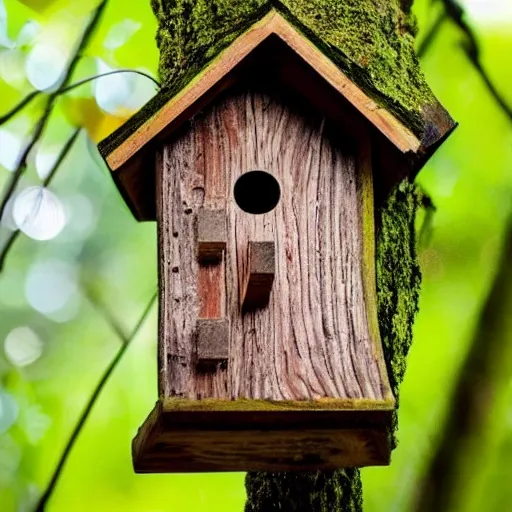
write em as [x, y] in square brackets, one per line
[371, 41]
[398, 280]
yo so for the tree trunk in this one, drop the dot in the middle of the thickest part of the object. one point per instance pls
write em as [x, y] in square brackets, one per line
[296, 492]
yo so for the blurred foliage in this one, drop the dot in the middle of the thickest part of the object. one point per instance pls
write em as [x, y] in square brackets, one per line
[55, 343]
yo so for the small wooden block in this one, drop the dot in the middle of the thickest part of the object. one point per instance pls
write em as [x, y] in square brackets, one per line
[260, 275]
[212, 341]
[211, 234]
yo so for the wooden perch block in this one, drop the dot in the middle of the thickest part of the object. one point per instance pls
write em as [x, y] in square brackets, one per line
[260, 275]
[212, 341]
[211, 234]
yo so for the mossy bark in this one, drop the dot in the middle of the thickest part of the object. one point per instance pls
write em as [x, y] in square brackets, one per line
[333, 491]
[370, 40]
[398, 284]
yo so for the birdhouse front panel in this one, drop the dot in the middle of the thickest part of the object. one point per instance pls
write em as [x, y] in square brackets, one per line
[267, 277]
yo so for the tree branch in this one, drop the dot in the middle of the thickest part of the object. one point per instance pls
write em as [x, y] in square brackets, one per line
[20, 106]
[52, 98]
[454, 11]
[474, 393]
[115, 72]
[500, 100]
[25, 101]
[126, 341]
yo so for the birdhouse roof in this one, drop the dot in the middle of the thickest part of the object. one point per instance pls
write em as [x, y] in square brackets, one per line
[361, 51]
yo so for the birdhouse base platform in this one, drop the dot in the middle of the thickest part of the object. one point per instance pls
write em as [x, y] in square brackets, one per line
[182, 436]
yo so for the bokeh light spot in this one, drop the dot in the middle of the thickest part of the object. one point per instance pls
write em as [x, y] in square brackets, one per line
[23, 346]
[50, 286]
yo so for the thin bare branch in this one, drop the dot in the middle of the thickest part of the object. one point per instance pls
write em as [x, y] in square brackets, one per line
[52, 98]
[115, 72]
[62, 155]
[20, 106]
[498, 97]
[107, 315]
[425, 231]
[25, 101]
[126, 341]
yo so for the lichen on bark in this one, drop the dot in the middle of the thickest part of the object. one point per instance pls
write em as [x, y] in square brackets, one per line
[398, 285]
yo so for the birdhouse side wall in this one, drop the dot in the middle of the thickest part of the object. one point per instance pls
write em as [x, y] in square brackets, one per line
[317, 338]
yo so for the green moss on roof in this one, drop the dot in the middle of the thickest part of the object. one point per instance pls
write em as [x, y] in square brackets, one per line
[370, 40]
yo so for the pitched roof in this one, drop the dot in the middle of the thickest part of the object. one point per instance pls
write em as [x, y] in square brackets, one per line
[124, 149]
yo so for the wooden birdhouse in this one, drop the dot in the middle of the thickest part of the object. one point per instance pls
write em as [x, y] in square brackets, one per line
[262, 173]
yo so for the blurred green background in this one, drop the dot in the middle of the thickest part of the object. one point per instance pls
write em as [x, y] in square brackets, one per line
[85, 266]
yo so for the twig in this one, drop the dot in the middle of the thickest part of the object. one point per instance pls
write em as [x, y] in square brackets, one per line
[481, 375]
[62, 155]
[126, 341]
[425, 231]
[507, 109]
[115, 72]
[21, 105]
[25, 101]
[18, 172]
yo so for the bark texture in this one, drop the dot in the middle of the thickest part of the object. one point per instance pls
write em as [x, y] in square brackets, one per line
[398, 284]
[333, 491]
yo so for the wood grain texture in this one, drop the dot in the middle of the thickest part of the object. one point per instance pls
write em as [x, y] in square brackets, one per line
[271, 25]
[261, 268]
[316, 338]
[211, 290]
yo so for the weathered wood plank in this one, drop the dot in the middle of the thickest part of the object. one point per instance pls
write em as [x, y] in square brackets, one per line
[211, 290]
[316, 338]
[280, 439]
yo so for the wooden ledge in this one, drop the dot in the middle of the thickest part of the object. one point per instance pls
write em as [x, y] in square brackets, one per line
[181, 437]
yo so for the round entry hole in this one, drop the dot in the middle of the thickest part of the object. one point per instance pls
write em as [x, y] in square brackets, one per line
[257, 192]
